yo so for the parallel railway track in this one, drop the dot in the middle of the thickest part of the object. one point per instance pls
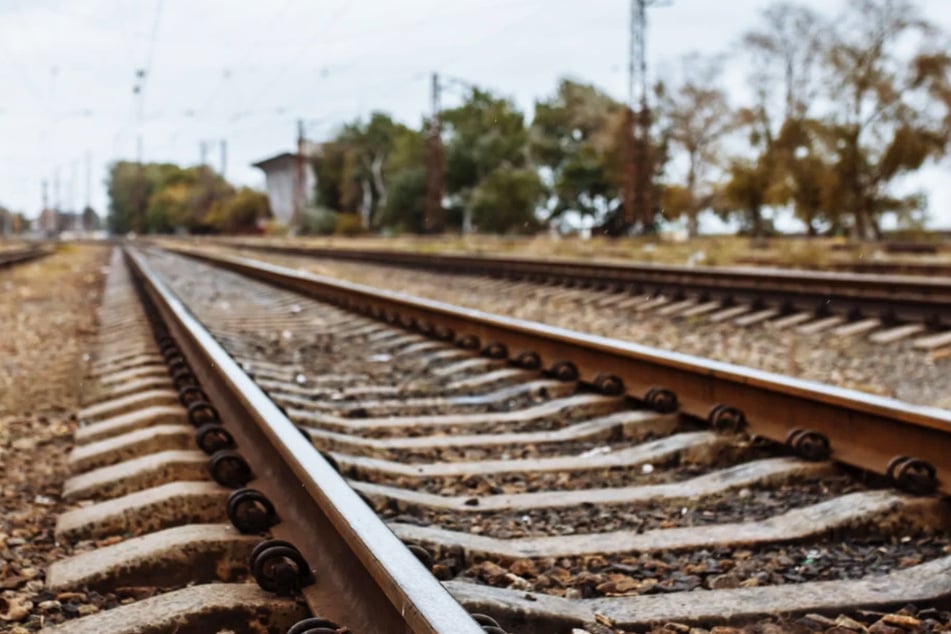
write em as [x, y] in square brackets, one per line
[549, 479]
[19, 255]
[892, 299]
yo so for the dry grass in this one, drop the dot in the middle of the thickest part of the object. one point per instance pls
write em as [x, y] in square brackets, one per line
[47, 316]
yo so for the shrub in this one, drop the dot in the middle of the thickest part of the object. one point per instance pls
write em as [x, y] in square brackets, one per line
[318, 222]
[348, 225]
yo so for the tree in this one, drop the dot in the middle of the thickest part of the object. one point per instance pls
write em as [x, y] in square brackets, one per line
[189, 199]
[746, 190]
[130, 187]
[370, 145]
[405, 206]
[803, 173]
[168, 208]
[90, 219]
[240, 213]
[354, 170]
[890, 114]
[505, 200]
[575, 135]
[485, 134]
[697, 118]
[194, 199]
[785, 52]
[12, 223]
[336, 184]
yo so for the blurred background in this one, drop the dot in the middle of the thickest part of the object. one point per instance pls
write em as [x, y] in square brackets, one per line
[615, 117]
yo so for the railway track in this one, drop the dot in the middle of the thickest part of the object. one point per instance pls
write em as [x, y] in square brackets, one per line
[11, 257]
[555, 482]
[886, 308]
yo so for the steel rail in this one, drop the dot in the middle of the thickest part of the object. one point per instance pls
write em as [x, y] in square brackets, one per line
[862, 430]
[11, 257]
[365, 577]
[891, 297]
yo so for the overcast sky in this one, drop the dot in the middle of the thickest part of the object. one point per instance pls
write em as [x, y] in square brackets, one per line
[245, 70]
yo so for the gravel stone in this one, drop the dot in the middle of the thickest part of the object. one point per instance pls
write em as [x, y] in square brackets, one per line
[895, 370]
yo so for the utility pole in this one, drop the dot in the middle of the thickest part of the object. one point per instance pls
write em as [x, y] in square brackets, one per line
[88, 159]
[57, 201]
[71, 189]
[299, 185]
[223, 147]
[434, 215]
[138, 89]
[638, 172]
[203, 153]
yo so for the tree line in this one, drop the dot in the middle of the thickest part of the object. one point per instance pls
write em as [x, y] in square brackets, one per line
[841, 108]
[165, 198]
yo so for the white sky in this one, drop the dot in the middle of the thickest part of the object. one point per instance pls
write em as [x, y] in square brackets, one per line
[245, 70]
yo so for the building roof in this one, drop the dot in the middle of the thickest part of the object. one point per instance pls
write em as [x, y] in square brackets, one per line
[311, 150]
[275, 160]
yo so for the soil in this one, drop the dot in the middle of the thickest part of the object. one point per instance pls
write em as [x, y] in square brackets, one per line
[53, 299]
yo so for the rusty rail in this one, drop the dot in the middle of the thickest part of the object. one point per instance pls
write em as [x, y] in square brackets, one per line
[909, 443]
[893, 298]
[11, 257]
[364, 576]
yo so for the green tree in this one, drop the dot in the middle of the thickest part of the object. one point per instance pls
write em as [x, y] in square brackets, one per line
[371, 144]
[405, 169]
[188, 199]
[130, 187]
[575, 135]
[354, 170]
[484, 134]
[335, 181]
[405, 205]
[240, 213]
[505, 201]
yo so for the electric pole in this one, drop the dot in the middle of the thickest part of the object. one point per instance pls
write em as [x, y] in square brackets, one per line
[202, 153]
[57, 201]
[638, 173]
[88, 159]
[299, 185]
[138, 90]
[433, 219]
[223, 147]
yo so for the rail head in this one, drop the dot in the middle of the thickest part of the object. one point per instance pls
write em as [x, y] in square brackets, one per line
[10, 257]
[378, 582]
[864, 430]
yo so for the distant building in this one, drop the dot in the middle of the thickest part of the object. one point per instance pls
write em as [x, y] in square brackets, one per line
[52, 223]
[280, 173]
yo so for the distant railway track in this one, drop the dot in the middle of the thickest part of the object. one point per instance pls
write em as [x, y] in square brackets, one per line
[890, 298]
[11, 257]
[549, 479]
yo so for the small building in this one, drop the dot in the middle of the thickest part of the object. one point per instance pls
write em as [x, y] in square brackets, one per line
[280, 173]
[52, 222]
